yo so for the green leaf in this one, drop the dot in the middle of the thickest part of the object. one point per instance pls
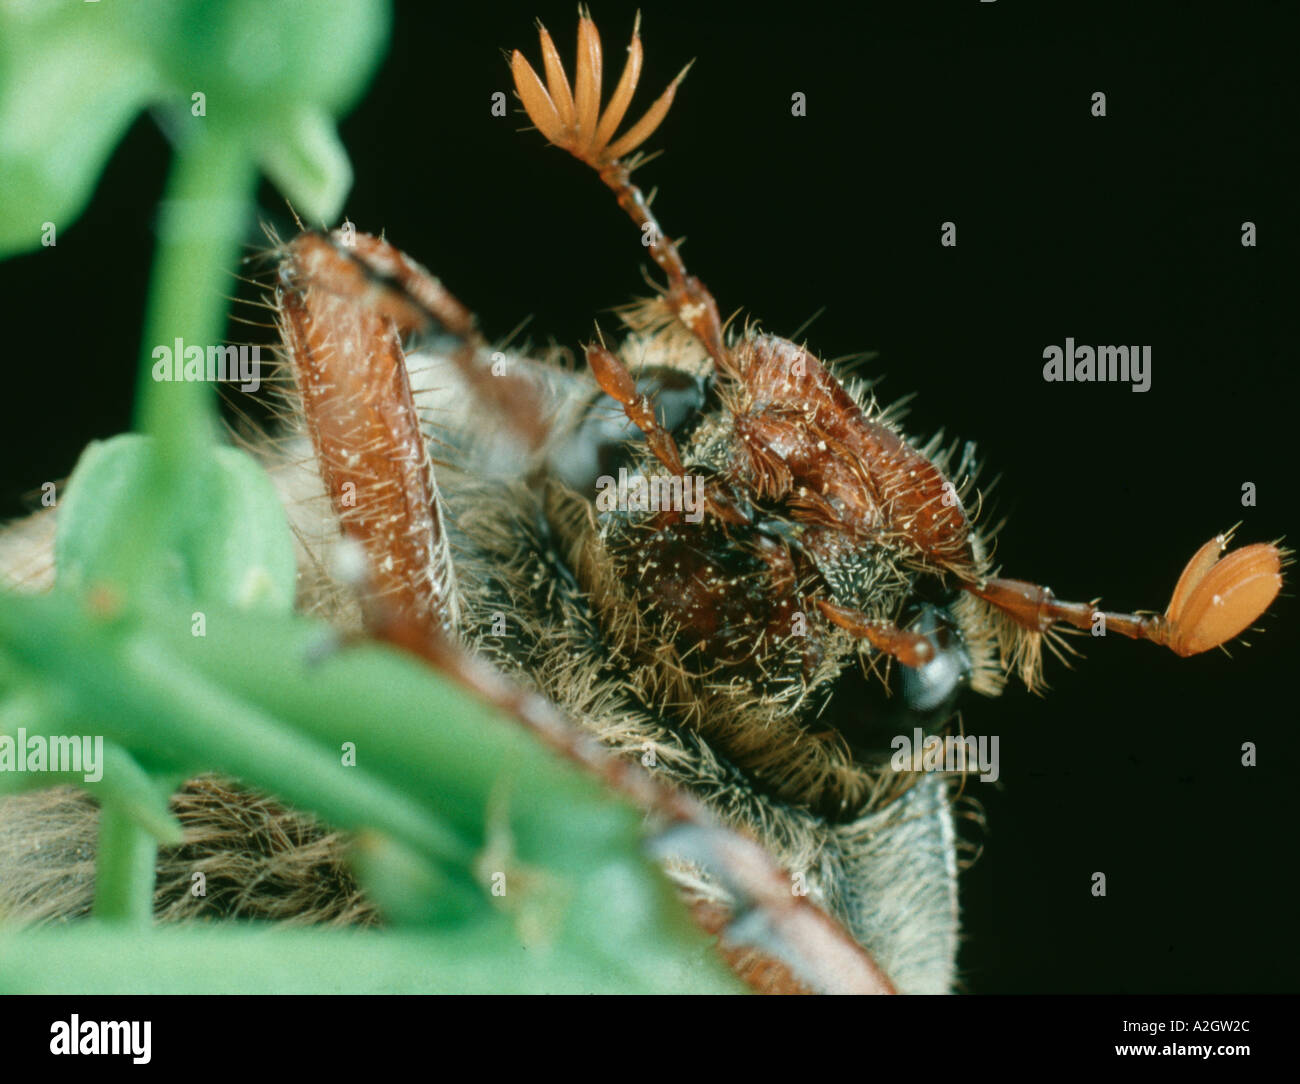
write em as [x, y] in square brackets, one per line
[408, 889]
[235, 551]
[65, 101]
[73, 76]
[241, 548]
[483, 959]
[304, 158]
[97, 538]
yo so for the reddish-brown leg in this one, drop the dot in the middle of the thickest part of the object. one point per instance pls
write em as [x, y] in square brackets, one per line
[366, 271]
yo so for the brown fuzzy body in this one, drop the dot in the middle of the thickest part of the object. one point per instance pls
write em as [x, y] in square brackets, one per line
[528, 549]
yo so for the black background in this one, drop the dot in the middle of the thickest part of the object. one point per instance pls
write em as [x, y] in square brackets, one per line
[1123, 229]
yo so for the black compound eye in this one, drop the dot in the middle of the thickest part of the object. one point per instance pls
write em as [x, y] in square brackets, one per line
[921, 696]
[932, 688]
[599, 445]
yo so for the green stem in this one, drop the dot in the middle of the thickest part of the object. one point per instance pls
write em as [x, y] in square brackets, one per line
[202, 224]
[124, 869]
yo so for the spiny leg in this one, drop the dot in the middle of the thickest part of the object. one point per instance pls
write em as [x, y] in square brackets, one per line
[348, 364]
[367, 271]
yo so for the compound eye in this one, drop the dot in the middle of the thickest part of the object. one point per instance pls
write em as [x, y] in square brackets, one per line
[931, 688]
[599, 444]
[921, 696]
